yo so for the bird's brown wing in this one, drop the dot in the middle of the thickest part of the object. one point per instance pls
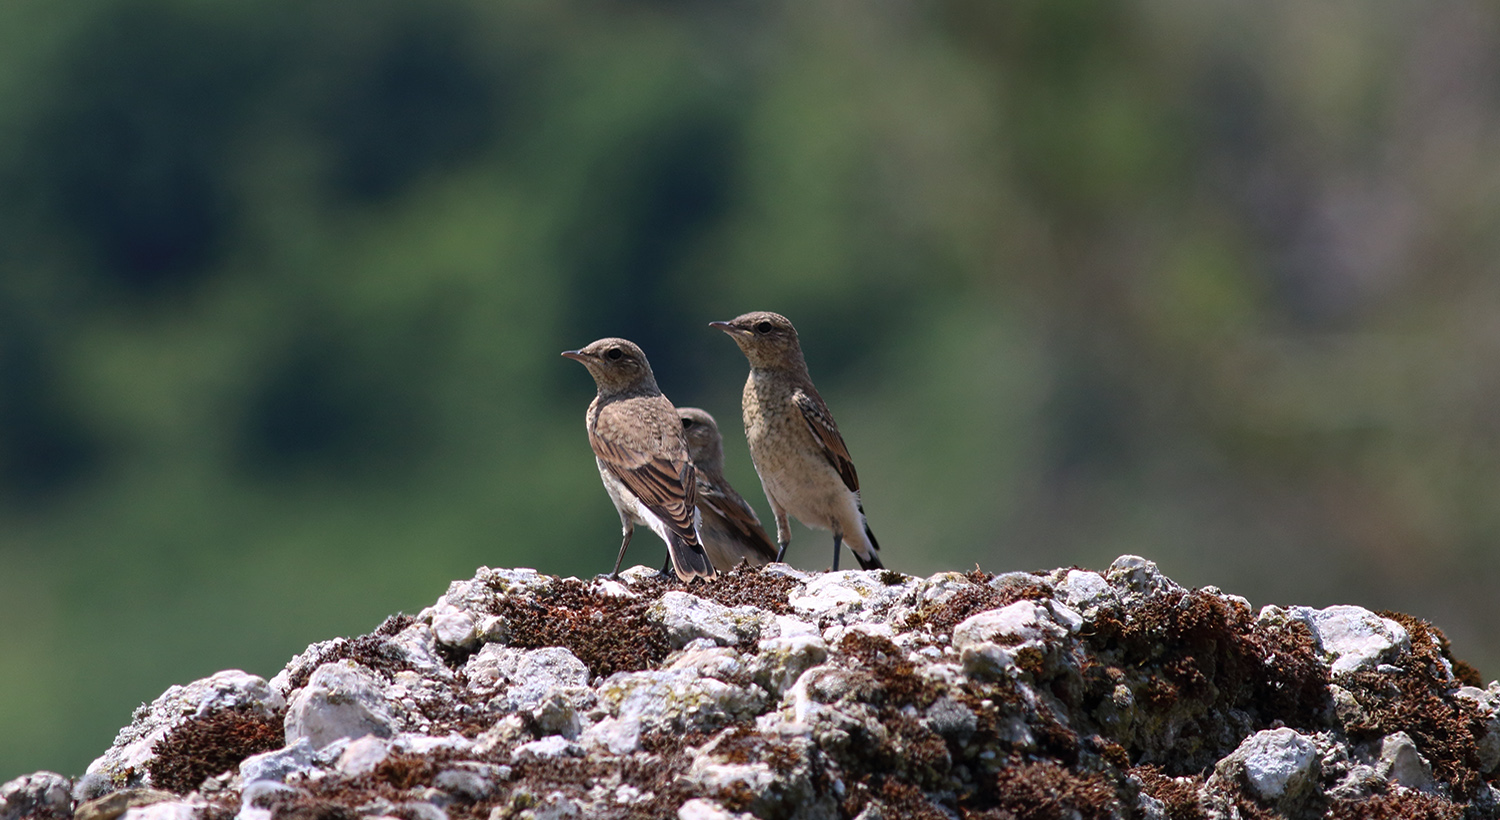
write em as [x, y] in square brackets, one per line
[722, 500]
[826, 433]
[638, 449]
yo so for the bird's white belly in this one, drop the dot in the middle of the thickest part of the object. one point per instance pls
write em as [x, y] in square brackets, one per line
[810, 490]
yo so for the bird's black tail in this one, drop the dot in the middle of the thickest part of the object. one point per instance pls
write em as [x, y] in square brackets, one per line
[689, 559]
[872, 561]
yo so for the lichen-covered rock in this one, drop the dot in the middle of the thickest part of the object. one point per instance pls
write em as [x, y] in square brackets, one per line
[341, 700]
[689, 617]
[126, 762]
[39, 796]
[780, 694]
[678, 700]
[523, 677]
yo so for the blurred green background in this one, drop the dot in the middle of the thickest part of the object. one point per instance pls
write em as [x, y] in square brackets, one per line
[283, 285]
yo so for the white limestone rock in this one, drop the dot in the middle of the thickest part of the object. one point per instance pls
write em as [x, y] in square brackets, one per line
[341, 700]
[1022, 622]
[37, 796]
[674, 700]
[688, 617]
[1274, 764]
[1353, 638]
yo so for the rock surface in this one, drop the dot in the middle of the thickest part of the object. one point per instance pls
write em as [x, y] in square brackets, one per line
[773, 693]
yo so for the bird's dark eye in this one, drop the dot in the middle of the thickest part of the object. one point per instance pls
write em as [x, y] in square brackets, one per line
[763, 327]
[686, 423]
[613, 354]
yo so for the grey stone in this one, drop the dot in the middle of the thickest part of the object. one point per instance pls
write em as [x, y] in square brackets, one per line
[1487, 702]
[616, 736]
[175, 810]
[422, 810]
[1353, 638]
[1274, 763]
[527, 675]
[688, 617]
[781, 661]
[463, 784]
[117, 803]
[341, 700]
[454, 627]
[1401, 763]
[987, 661]
[1135, 578]
[950, 719]
[554, 746]
[557, 714]
[710, 661]
[851, 596]
[1020, 622]
[278, 765]
[363, 755]
[700, 809]
[671, 700]
[1084, 590]
[37, 796]
[558, 806]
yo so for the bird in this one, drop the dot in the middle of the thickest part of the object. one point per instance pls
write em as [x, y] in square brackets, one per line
[798, 452]
[730, 531]
[643, 458]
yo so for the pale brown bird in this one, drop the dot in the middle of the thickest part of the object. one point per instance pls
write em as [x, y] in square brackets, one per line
[730, 531]
[798, 452]
[643, 459]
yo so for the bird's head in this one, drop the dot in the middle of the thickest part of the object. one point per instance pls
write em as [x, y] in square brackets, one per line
[767, 339]
[705, 445]
[617, 365]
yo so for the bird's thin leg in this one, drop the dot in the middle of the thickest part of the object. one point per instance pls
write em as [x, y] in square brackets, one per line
[667, 570]
[838, 542]
[783, 531]
[629, 529]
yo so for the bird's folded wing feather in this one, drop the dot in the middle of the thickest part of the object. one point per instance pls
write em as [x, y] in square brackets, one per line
[729, 506]
[826, 433]
[664, 482]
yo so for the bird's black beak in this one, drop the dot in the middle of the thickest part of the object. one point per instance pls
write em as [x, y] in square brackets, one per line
[726, 327]
[576, 355]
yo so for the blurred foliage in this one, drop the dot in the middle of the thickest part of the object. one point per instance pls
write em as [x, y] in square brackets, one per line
[282, 288]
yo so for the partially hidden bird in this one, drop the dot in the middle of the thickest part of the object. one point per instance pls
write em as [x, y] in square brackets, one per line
[728, 527]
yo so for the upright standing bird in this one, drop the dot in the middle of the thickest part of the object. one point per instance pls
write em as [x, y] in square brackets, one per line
[730, 531]
[798, 452]
[643, 459]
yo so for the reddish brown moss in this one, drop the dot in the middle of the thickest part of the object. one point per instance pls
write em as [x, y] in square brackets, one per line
[746, 586]
[1043, 790]
[1204, 657]
[1417, 704]
[941, 617]
[200, 748]
[1402, 805]
[1432, 647]
[896, 679]
[1180, 797]
[374, 652]
[607, 633]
